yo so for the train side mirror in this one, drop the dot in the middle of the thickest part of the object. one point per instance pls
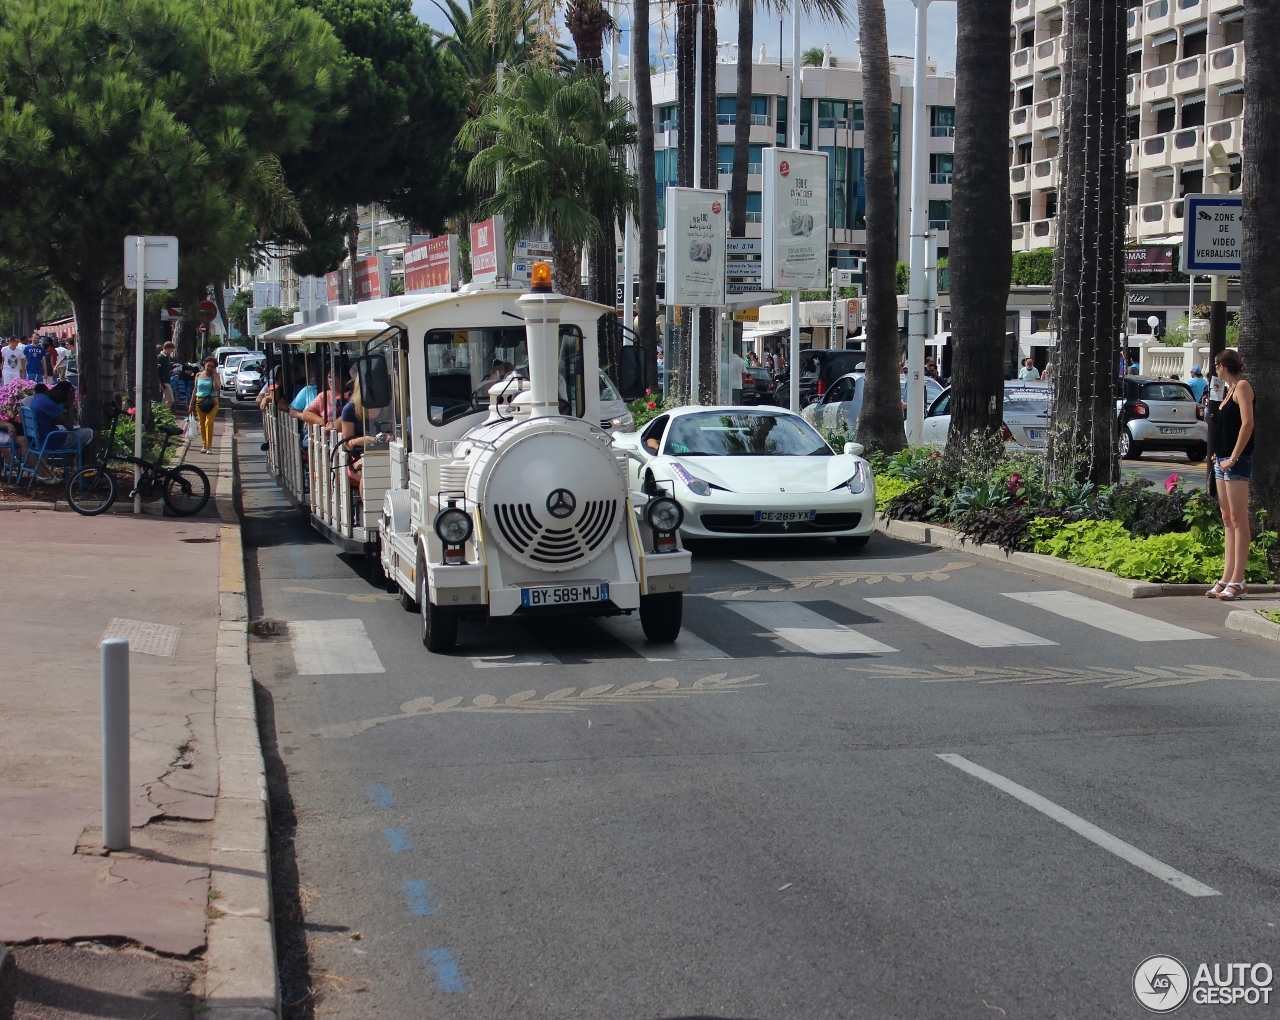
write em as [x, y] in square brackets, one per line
[631, 371]
[375, 381]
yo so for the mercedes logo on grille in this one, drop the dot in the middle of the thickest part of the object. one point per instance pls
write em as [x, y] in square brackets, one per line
[561, 503]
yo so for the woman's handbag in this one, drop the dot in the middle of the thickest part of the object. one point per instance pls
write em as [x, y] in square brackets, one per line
[207, 404]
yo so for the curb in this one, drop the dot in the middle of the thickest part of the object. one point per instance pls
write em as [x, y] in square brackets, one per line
[1051, 566]
[1251, 621]
[241, 981]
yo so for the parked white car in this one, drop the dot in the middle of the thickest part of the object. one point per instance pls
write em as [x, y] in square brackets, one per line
[1028, 411]
[753, 471]
[248, 377]
[615, 416]
[842, 402]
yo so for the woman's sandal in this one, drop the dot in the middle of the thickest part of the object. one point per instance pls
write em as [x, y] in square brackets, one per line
[1233, 592]
[1216, 590]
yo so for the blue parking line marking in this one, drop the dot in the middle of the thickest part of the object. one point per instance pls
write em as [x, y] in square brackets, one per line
[397, 840]
[448, 977]
[419, 898]
[380, 796]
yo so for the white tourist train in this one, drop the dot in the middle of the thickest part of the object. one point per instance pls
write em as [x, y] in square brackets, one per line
[456, 439]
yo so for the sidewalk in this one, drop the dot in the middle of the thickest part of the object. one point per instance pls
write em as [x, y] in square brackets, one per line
[68, 581]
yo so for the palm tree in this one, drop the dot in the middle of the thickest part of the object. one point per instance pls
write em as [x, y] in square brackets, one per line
[554, 138]
[827, 10]
[1260, 263]
[647, 205]
[486, 34]
[981, 258]
[587, 22]
[880, 422]
[814, 56]
[1089, 271]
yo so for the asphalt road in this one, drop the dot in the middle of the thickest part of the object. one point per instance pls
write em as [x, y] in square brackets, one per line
[549, 824]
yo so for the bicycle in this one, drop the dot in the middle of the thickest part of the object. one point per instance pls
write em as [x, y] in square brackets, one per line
[92, 489]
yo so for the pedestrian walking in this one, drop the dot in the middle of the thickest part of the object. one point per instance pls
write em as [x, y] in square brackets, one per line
[11, 361]
[164, 371]
[204, 402]
[1198, 383]
[69, 367]
[1232, 469]
[34, 357]
[1028, 372]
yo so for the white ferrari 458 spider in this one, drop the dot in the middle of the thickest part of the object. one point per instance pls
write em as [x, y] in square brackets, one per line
[753, 471]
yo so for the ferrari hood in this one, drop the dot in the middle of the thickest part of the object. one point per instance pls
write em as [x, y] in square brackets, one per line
[771, 474]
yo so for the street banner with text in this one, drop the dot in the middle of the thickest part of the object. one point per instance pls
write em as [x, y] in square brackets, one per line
[697, 229]
[794, 220]
[431, 266]
[488, 250]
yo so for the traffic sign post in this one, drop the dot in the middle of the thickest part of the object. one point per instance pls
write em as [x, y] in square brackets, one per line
[1212, 234]
[150, 263]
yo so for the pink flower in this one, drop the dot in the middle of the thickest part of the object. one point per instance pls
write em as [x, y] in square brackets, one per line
[129, 412]
[652, 405]
[1171, 483]
[1014, 484]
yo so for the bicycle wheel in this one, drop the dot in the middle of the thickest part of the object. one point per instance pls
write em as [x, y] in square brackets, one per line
[91, 490]
[186, 490]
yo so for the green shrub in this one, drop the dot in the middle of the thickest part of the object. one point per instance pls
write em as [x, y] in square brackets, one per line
[1273, 617]
[888, 489]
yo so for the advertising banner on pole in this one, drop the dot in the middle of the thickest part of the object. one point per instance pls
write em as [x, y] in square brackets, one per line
[371, 277]
[697, 229]
[794, 219]
[333, 287]
[431, 266]
[488, 250]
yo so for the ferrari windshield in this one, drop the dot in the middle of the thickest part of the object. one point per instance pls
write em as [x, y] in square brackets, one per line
[744, 434]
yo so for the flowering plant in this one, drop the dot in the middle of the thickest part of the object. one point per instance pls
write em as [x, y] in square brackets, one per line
[11, 395]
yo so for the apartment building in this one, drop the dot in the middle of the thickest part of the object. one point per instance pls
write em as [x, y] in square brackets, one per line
[830, 121]
[1186, 91]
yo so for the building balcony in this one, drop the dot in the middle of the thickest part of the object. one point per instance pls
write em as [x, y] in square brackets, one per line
[1157, 84]
[1229, 132]
[1135, 23]
[1189, 74]
[1035, 234]
[1158, 16]
[1153, 151]
[1187, 11]
[940, 179]
[1044, 173]
[939, 225]
[1019, 180]
[1020, 8]
[1132, 86]
[1018, 120]
[1020, 62]
[1048, 55]
[1187, 144]
[1131, 224]
[1046, 114]
[1225, 65]
[1156, 219]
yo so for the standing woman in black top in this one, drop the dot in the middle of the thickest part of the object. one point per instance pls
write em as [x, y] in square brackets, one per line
[1232, 468]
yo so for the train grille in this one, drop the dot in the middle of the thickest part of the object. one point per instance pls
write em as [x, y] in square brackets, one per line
[527, 535]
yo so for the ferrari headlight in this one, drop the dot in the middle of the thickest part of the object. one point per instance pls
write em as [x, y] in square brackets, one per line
[694, 484]
[664, 514]
[858, 483]
[453, 526]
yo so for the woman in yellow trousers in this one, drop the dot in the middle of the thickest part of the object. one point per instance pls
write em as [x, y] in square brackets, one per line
[204, 402]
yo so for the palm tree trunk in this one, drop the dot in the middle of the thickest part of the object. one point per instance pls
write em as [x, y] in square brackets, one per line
[1089, 270]
[1260, 263]
[566, 266]
[742, 121]
[647, 304]
[709, 174]
[880, 421]
[981, 258]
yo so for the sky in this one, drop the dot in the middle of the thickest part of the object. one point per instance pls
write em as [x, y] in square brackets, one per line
[900, 15]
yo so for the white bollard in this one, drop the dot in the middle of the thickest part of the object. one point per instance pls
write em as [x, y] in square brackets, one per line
[115, 744]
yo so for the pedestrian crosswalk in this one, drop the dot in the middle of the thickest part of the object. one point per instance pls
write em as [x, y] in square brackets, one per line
[731, 628]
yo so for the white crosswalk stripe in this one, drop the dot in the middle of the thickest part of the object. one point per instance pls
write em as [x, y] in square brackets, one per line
[806, 630]
[962, 624]
[1112, 619]
[328, 647]
[688, 646]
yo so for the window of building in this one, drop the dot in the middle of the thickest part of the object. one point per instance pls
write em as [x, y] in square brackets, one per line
[838, 187]
[1051, 147]
[1166, 119]
[1191, 181]
[1193, 44]
[940, 167]
[858, 191]
[1193, 111]
[1026, 94]
[780, 122]
[806, 123]
[755, 159]
[1135, 123]
[1131, 191]
[1024, 153]
[726, 109]
[1233, 160]
[942, 121]
[755, 206]
[666, 172]
[855, 115]
[1166, 53]
[1050, 204]
[1042, 322]
[1027, 34]
[833, 113]
[724, 157]
[940, 214]
[1024, 209]
[668, 118]
[1052, 84]
[760, 110]
[1233, 32]
[1135, 60]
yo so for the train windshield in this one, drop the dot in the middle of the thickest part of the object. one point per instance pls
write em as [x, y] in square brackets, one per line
[463, 363]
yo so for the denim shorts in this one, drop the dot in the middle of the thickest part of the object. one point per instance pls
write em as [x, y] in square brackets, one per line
[1240, 471]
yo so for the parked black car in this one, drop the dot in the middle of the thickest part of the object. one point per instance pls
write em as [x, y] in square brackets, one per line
[757, 386]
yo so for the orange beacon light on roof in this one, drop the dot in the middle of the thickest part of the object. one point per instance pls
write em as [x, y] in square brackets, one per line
[540, 278]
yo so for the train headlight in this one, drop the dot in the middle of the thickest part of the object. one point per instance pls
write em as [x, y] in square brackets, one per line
[664, 515]
[453, 526]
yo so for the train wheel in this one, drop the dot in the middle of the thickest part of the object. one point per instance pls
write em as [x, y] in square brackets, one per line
[661, 616]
